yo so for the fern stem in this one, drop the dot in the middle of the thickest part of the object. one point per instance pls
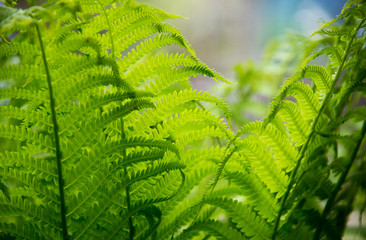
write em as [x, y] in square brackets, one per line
[128, 197]
[341, 180]
[109, 29]
[57, 140]
[312, 132]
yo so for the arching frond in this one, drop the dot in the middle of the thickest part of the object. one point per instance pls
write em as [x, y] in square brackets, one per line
[214, 228]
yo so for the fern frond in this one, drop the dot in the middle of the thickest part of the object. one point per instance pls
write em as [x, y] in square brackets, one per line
[274, 105]
[306, 98]
[24, 134]
[23, 49]
[161, 62]
[277, 143]
[298, 128]
[192, 157]
[82, 136]
[27, 230]
[349, 4]
[334, 53]
[165, 81]
[24, 207]
[215, 228]
[198, 119]
[40, 164]
[349, 89]
[184, 206]
[357, 114]
[154, 116]
[71, 46]
[35, 186]
[153, 217]
[97, 210]
[62, 34]
[116, 230]
[246, 220]
[347, 10]
[162, 186]
[256, 194]
[106, 160]
[264, 165]
[117, 15]
[335, 31]
[14, 20]
[28, 116]
[77, 64]
[87, 106]
[191, 137]
[82, 168]
[138, 176]
[102, 77]
[190, 95]
[322, 78]
[37, 96]
[27, 73]
[137, 157]
[168, 36]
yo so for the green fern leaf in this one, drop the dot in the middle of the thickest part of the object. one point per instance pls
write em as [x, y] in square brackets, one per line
[215, 228]
[322, 78]
[297, 127]
[275, 141]
[245, 220]
[264, 165]
[256, 194]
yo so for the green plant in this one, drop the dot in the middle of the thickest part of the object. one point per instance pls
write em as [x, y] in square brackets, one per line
[301, 170]
[103, 137]
[92, 117]
[257, 83]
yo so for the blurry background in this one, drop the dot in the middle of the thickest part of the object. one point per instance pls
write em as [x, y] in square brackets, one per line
[225, 32]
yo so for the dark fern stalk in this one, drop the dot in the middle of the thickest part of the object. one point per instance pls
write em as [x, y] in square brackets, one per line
[128, 199]
[57, 140]
[123, 135]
